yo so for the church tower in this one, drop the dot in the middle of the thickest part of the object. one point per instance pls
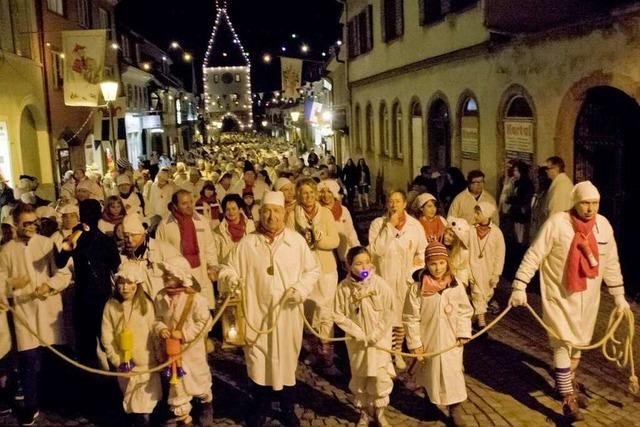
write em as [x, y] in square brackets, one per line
[227, 77]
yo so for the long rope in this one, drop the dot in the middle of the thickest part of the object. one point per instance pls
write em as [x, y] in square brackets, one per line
[209, 323]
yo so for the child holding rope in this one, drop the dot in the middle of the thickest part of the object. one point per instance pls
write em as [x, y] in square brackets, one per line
[437, 315]
[128, 341]
[364, 310]
[182, 317]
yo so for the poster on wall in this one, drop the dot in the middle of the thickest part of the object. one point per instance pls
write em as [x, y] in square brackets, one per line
[518, 140]
[84, 66]
[469, 138]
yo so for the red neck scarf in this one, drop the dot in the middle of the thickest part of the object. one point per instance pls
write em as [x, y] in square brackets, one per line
[336, 210]
[237, 230]
[431, 285]
[213, 205]
[433, 228]
[483, 230]
[270, 235]
[583, 246]
[311, 212]
[188, 239]
[113, 219]
[402, 221]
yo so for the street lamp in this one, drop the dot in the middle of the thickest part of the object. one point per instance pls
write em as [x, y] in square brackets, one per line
[109, 91]
[266, 58]
[304, 48]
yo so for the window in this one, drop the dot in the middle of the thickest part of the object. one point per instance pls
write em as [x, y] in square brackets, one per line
[392, 19]
[83, 13]
[384, 129]
[360, 33]
[57, 69]
[56, 6]
[368, 128]
[129, 95]
[16, 31]
[356, 130]
[457, 5]
[237, 77]
[216, 78]
[125, 46]
[104, 18]
[470, 129]
[397, 130]
[434, 10]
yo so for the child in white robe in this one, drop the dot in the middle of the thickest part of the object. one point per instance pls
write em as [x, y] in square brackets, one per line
[182, 314]
[364, 310]
[437, 315]
[128, 341]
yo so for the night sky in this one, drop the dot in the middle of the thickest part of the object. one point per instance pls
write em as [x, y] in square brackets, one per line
[262, 26]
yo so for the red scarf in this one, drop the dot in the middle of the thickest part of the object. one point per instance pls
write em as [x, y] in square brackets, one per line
[113, 219]
[188, 239]
[431, 285]
[578, 268]
[433, 228]
[483, 230]
[247, 189]
[270, 235]
[336, 210]
[402, 220]
[237, 230]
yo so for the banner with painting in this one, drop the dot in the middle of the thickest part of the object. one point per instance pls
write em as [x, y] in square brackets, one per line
[84, 66]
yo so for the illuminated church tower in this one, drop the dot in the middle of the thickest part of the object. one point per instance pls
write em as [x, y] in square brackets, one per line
[227, 77]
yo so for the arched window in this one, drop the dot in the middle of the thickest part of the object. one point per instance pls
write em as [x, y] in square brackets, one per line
[470, 129]
[397, 130]
[384, 130]
[369, 128]
[519, 129]
[356, 130]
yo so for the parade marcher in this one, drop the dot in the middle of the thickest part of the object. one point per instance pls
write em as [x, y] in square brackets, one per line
[95, 258]
[6, 192]
[160, 195]
[456, 239]
[112, 215]
[436, 316]
[70, 217]
[397, 243]
[330, 198]
[6, 365]
[251, 208]
[364, 184]
[68, 188]
[86, 188]
[47, 221]
[148, 253]
[190, 233]
[28, 273]
[224, 185]
[364, 310]
[131, 199]
[182, 317]
[486, 259]
[575, 251]
[464, 204]
[180, 177]
[195, 183]
[287, 188]
[208, 205]
[234, 226]
[249, 183]
[426, 208]
[559, 194]
[129, 343]
[316, 224]
[277, 267]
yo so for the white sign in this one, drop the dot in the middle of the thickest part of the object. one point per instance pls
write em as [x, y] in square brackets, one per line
[518, 136]
[469, 140]
[132, 123]
[151, 122]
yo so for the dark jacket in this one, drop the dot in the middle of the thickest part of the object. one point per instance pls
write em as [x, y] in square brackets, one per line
[520, 200]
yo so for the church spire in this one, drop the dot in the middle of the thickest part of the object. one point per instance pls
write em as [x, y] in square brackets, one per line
[224, 48]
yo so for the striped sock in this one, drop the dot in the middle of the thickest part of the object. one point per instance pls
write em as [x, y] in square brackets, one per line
[563, 381]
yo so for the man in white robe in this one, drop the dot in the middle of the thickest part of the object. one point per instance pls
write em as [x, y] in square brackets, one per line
[572, 267]
[464, 204]
[272, 265]
[559, 194]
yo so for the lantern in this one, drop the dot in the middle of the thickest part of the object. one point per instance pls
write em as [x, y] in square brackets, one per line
[233, 322]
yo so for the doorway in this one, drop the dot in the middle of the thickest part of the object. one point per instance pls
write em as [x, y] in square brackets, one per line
[605, 150]
[439, 135]
[29, 145]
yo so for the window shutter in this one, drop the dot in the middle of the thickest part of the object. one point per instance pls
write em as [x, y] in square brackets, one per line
[399, 15]
[369, 24]
[383, 18]
[421, 12]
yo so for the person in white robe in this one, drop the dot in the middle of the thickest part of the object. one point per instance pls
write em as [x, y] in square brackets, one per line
[277, 271]
[131, 199]
[364, 310]
[331, 199]
[486, 259]
[437, 315]
[130, 344]
[160, 194]
[456, 239]
[574, 251]
[464, 204]
[183, 314]
[29, 275]
[397, 243]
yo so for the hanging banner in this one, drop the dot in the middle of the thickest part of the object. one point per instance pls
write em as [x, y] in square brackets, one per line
[291, 69]
[85, 54]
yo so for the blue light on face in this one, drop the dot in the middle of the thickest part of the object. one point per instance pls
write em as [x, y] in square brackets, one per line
[364, 274]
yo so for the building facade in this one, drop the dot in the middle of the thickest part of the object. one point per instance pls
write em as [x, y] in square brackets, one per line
[470, 83]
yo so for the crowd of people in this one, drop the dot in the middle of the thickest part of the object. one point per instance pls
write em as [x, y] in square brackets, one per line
[126, 271]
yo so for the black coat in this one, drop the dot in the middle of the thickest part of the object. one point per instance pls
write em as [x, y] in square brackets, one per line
[520, 200]
[6, 197]
[350, 176]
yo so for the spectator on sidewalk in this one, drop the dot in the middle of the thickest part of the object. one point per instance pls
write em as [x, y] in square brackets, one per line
[559, 194]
